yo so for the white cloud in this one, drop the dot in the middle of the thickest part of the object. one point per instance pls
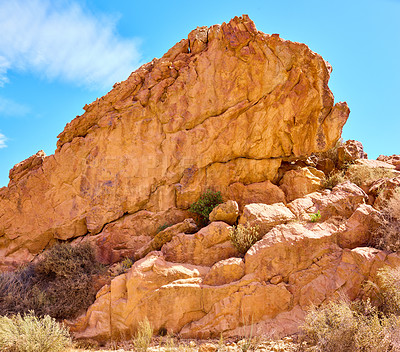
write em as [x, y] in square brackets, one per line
[9, 107]
[63, 42]
[3, 139]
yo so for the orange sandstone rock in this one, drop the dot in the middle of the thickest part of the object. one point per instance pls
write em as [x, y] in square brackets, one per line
[226, 105]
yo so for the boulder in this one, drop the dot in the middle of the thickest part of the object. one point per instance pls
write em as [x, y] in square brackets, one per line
[224, 272]
[392, 159]
[225, 105]
[227, 212]
[265, 217]
[350, 151]
[297, 183]
[262, 192]
[131, 234]
[341, 202]
[206, 247]
[359, 228]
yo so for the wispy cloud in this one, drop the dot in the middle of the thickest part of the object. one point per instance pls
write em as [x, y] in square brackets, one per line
[61, 40]
[3, 139]
[9, 107]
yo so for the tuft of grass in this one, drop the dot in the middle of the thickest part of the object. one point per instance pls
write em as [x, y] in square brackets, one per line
[315, 217]
[29, 333]
[333, 179]
[163, 227]
[243, 237]
[143, 336]
[204, 206]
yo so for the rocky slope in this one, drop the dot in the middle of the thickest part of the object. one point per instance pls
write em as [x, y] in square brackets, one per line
[222, 108]
[229, 109]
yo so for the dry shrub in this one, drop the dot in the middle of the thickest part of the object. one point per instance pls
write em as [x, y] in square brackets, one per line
[243, 237]
[342, 326]
[365, 175]
[387, 235]
[29, 333]
[59, 284]
[143, 336]
[333, 179]
[331, 153]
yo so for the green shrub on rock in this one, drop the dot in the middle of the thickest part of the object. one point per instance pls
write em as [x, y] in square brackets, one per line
[204, 206]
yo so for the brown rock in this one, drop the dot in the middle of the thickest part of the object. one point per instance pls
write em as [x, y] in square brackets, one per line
[21, 169]
[131, 234]
[266, 216]
[298, 183]
[350, 151]
[224, 272]
[149, 145]
[227, 212]
[206, 247]
[392, 159]
[261, 192]
[341, 202]
[164, 236]
[359, 227]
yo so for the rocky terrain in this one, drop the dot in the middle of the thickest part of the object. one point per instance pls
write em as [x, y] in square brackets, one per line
[232, 110]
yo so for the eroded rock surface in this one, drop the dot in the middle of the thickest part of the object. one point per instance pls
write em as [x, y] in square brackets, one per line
[195, 288]
[225, 105]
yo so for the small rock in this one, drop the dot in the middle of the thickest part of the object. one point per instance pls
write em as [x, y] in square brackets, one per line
[227, 212]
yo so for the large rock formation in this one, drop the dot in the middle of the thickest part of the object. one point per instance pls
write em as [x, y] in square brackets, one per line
[205, 293]
[226, 105]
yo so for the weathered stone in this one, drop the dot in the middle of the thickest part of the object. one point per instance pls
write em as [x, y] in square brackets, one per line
[224, 272]
[392, 159]
[132, 234]
[350, 151]
[297, 183]
[261, 192]
[359, 227]
[227, 212]
[226, 105]
[342, 201]
[206, 247]
[265, 217]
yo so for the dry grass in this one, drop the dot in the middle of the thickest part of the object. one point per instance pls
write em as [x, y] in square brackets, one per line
[365, 175]
[29, 333]
[243, 237]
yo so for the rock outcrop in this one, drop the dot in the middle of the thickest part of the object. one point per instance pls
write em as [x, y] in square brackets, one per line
[205, 292]
[226, 105]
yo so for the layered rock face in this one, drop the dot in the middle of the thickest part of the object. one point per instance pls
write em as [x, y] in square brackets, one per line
[199, 287]
[225, 106]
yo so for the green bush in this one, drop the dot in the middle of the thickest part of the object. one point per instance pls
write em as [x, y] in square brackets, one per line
[59, 284]
[204, 206]
[29, 333]
[315, 217]
[243, 237]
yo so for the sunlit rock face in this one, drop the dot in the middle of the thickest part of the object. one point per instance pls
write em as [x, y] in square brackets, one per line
[225, 105]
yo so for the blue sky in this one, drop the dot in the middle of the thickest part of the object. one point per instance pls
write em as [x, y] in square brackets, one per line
[56, 56]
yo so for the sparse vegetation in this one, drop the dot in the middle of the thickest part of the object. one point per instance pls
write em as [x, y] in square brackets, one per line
[143, 336]
[59, 284]
[204, 206]
[345, 326]
[365, 175]
[315, 217]
[387, 235]
[28, 333]
[243, 237]
[163, 227]
[334, 179]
